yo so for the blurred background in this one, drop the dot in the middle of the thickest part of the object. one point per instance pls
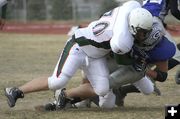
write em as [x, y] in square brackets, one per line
[55, 10]
[59, 15]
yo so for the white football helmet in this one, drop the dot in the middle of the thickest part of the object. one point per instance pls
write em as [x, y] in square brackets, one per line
[140, 18]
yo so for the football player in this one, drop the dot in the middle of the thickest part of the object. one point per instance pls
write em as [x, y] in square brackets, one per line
[87, 49]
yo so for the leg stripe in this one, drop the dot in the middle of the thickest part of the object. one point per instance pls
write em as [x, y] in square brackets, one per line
[64, 55]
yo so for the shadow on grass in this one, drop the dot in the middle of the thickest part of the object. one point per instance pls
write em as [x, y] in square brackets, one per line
[116, 109]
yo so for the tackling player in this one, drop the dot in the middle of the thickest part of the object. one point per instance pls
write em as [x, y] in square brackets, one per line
[87, 49]
[159, 9]
[157, 53]
[120, 93]
[126, 75]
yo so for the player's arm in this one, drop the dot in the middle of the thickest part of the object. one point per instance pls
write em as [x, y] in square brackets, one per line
[160, 72]
[123, 59]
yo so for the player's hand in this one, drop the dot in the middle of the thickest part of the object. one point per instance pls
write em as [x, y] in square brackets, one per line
[140, 64]
[140, 59]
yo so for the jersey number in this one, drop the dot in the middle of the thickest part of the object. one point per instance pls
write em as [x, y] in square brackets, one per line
[99, 28]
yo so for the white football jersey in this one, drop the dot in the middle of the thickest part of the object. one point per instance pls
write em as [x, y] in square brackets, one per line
[110, 32]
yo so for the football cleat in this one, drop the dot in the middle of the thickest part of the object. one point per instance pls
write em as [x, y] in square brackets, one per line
[51, 106]
[83, 104]
[62, 100]
[12, 95]
[119, 97]
[157, 90]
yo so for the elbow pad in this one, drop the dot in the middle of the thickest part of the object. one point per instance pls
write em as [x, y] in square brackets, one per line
[119, 49]
[161, 76]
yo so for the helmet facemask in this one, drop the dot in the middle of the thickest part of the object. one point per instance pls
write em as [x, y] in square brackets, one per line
[141, 35]
[151, 39]
[140, 24]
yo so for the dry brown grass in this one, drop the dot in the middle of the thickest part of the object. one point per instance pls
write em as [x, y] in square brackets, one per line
[25, 57]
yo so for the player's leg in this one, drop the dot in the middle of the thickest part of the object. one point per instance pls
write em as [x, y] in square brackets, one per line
[119, 75]
[86, 90]
[75, 101]
[122, 76]
[107, 101]
[122, 92]
[71, 98]
[86, 102]
[144, 85]
[117, 97]
[99, 83]
[97, 73]
[125, 74]
[98, 79]
[60, 77]
[13, 93]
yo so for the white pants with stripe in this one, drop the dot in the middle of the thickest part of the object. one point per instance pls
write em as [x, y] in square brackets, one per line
[95, 69]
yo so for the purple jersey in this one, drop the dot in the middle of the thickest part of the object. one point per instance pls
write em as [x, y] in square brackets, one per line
[164, 50]
[154, 6]
[160, 8]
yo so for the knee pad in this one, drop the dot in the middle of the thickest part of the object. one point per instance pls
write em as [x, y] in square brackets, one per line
[145, 85]
[149, 90]
[101, 91]
[55, 83]
[100, 84]
[107, 101]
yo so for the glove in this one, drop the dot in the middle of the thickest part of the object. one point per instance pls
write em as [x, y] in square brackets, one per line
[140, 57]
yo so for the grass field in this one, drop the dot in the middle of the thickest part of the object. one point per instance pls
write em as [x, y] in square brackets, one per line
[25, 57]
